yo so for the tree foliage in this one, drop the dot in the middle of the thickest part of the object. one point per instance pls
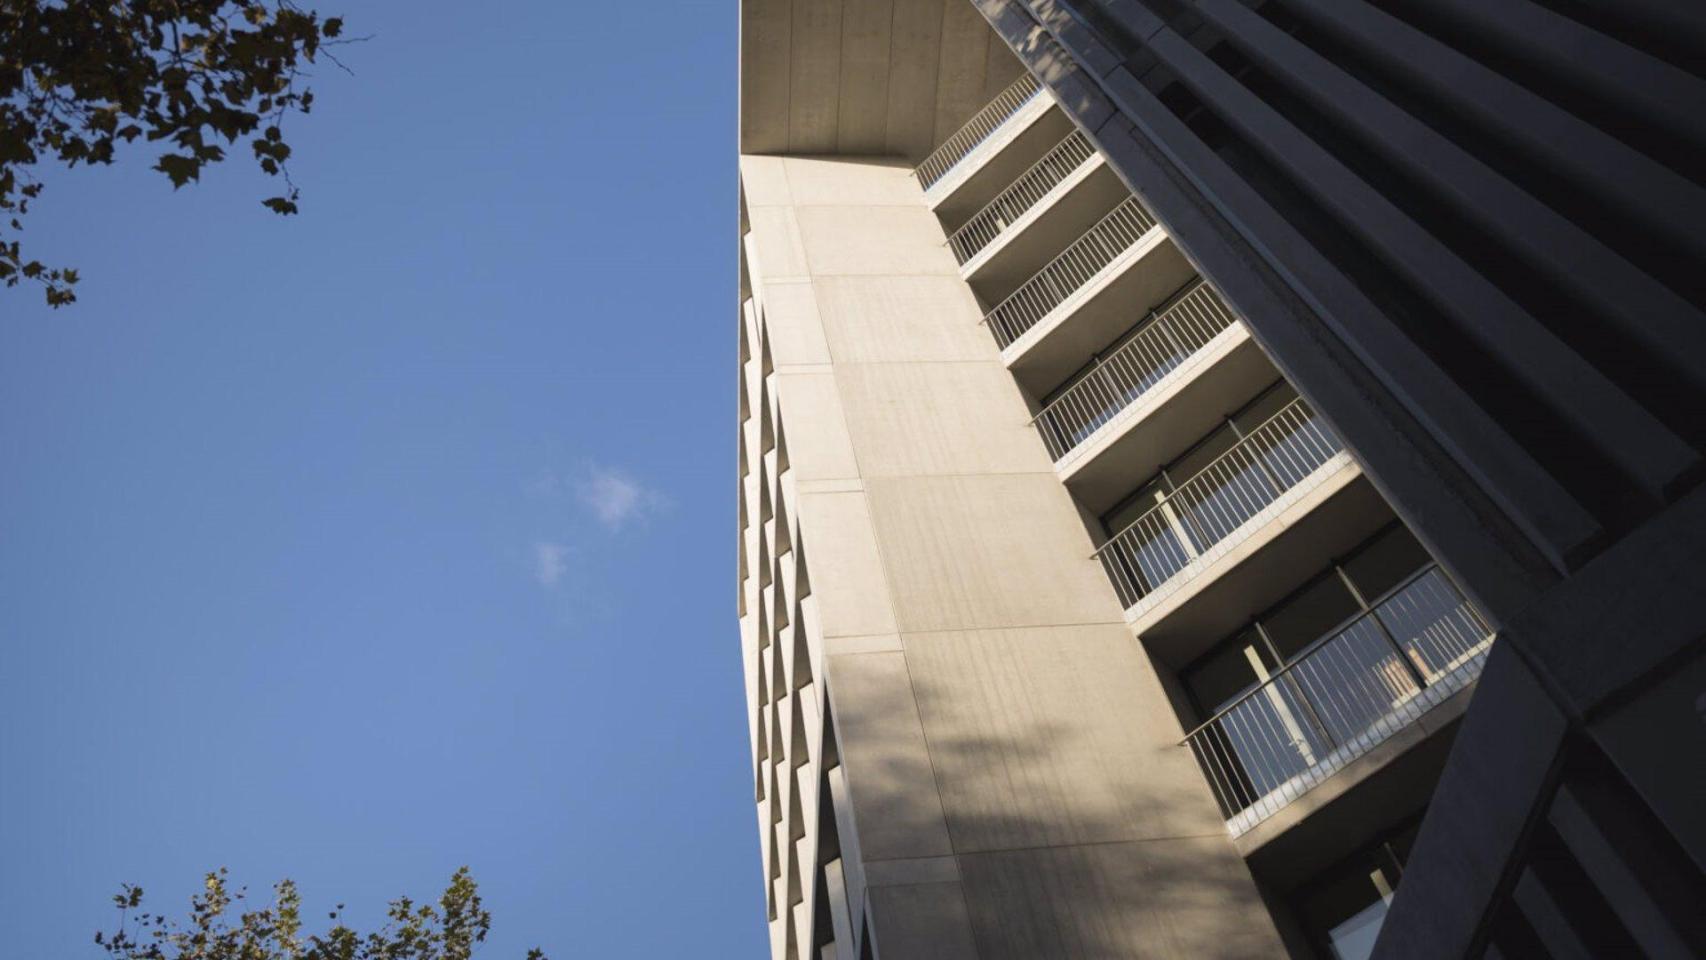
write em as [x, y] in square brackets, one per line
[78, 78]
[222, 927]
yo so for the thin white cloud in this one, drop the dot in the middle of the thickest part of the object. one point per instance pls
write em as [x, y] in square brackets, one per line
[615, 498]
[550, 562]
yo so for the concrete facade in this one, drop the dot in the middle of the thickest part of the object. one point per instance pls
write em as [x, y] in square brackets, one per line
[1073, 626]
[1013, 776]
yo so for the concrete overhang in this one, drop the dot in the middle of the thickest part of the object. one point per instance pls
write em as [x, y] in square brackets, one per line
[864, 77]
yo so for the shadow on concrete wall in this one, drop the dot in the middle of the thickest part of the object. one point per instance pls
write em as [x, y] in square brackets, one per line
[1050, 864]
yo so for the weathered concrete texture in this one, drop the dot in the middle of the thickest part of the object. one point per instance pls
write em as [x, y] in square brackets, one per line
[1160, 898]
[901, 319]
[1012, 763]
[965, 552]
[909, 419]
[923, 920]
[847, 575]
[1057, 735]
[883, 745]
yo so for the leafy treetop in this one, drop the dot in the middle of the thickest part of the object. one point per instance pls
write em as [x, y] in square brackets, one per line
[77, 77]
[221, 927]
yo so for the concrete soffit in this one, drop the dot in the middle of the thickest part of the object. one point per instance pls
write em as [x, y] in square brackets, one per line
[864, 77]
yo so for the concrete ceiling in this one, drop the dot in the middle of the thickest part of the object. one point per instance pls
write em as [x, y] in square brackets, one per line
[867, 77]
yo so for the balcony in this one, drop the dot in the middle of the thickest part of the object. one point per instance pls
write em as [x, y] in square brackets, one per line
[1021, 196]
[1341, 697]
[1035, 217]
[1224, 503]
[965, 141]
[1163, 345]
[1050, 288]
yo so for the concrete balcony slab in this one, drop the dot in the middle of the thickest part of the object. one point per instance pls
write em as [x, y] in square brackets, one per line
[1319, 518]
[1366, 796]
[1137, 281]
[1166, 419]
[1020, 141]
[1043, 231]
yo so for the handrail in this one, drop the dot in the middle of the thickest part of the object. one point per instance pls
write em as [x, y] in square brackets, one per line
[1298, 403]
[1217, 500]
[1346, 693]
[1314, 645]
[1025, 192]
[1163, 341]
[1061, 277]
[981, 125]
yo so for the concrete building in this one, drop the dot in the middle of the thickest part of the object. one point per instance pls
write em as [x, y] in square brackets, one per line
[1149, 414]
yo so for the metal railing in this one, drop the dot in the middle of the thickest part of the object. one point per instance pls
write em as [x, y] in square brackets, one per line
[1209, 507]
[981, 125]
[1021, 195]
[1167, 339]
[1345, 695]
[1061, 277]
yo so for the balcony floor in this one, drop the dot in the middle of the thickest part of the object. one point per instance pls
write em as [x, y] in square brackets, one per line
[1137, 281]
[1044, 230]
[1408, 716]
[997, 161]
[1367, 796]
[1320, 518]
[1191, 400]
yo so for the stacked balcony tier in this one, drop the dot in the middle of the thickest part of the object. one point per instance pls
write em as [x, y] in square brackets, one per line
[1144, 371]
[977, 129]
[1021, 196]
[1342, 697]
[1071, 271]
[1219, 503]
[1159, 346]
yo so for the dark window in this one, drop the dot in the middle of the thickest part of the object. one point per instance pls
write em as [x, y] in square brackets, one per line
[1228, 672]
[1385, 563]
[1342, 909]
[1309, 614]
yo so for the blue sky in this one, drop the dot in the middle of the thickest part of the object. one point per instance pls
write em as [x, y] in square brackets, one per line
[357, 546]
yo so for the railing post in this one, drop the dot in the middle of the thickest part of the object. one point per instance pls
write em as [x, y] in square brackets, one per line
[1191, 536]
[1184, 533]
[1164, 320]
[1268, 471]
[1110, 392]
[1302, 695]
[1373, 613]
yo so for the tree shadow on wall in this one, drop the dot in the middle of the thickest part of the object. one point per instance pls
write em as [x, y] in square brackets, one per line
[1070, 840]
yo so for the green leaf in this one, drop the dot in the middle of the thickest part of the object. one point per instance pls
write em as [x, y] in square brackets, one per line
[185, 74]
[180, 169]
